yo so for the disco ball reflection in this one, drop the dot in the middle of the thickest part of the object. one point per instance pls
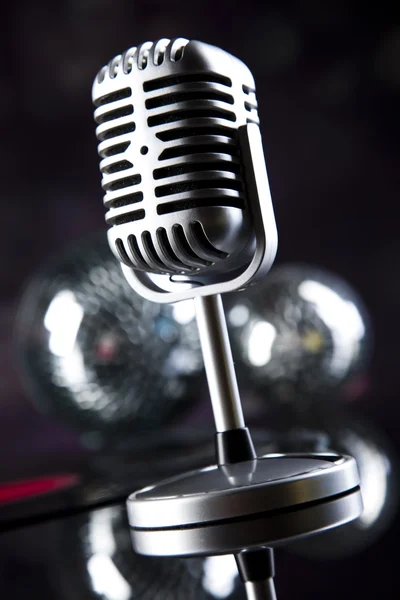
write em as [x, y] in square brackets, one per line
[379, 472]
[300, 336]
[95, 553]
[96, 354]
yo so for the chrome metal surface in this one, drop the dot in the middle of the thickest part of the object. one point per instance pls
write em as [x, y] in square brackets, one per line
[180, 190]
[260, 590]
[233, 536]
[218, 362]
[214, 493]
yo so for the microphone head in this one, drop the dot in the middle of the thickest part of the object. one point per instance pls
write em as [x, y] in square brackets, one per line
[169, 115]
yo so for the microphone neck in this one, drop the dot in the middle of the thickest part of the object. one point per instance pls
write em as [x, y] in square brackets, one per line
[233, 441]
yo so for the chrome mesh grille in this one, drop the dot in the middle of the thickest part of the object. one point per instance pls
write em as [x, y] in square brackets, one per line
[189, 120]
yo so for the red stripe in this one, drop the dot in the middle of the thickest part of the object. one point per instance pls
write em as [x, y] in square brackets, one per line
[28, 488]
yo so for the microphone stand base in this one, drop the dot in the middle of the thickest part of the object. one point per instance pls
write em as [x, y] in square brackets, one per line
[229, 508]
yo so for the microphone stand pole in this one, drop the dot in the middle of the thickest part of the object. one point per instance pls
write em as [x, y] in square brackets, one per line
[233, 440]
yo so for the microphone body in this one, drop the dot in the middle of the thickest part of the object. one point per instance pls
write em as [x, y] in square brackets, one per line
[179, 139]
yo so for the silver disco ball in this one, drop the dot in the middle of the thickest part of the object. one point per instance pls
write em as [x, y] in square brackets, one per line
[99, 356]
[300, 336]
[379, 474]
[95, 560]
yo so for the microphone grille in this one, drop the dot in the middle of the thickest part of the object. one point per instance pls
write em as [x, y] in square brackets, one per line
[168, 140]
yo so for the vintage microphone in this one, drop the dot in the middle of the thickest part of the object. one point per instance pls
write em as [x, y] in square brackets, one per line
[191, 216]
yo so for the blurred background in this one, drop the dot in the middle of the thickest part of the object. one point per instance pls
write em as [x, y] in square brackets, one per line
[75, 422]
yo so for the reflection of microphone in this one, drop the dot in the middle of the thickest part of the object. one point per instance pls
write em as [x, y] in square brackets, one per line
[179, 138]
[191, 217]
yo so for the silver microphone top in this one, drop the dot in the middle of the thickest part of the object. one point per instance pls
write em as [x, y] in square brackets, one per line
[169, 115]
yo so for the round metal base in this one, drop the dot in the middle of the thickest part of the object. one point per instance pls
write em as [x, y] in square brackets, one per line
[224, 509]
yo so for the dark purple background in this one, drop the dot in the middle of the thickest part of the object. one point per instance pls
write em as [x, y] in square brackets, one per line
[328, 83]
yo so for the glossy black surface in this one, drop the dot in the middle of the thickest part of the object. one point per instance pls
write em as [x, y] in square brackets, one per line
[90, 556]
[86, 480]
